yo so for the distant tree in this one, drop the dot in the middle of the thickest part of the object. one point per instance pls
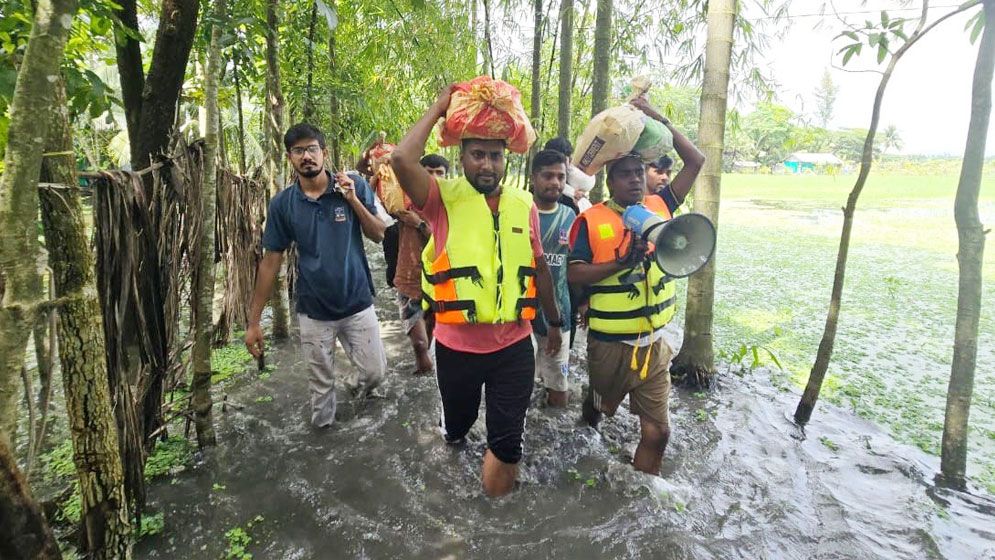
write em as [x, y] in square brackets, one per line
[680, 104]
[848, 144]
[810, 139]
[825, 96]
[890, 139]
[769, 129]
[890, 42]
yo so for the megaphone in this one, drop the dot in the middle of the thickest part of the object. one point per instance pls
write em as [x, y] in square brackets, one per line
[683, 245]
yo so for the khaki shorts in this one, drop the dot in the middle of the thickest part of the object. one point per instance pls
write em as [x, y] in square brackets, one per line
[410, 311]
[612, 378]
[553, 370]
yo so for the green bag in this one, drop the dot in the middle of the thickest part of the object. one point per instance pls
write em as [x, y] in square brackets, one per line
[654, 141]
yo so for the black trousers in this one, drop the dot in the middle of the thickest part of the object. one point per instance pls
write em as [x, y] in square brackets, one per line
[506, 376]
[391, 241]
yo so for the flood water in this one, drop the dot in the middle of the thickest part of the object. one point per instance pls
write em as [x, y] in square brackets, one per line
[739, 481]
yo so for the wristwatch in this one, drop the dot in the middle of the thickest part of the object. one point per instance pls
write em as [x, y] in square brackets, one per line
[558, 323]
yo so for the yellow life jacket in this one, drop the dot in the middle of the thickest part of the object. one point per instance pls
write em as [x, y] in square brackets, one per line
[486, 272]
[634, 301]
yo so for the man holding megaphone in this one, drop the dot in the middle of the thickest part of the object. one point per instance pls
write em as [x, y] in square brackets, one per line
[614, 257]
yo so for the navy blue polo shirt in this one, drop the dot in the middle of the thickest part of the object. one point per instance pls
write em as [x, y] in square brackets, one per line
[333, 276]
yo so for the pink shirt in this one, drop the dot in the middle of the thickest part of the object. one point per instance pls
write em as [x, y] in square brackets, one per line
[475, 338]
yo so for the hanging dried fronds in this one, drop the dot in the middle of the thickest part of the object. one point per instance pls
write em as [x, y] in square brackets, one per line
[241, 211]
[145, 239]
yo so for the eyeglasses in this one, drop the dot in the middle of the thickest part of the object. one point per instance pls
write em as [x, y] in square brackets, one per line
[298, 151]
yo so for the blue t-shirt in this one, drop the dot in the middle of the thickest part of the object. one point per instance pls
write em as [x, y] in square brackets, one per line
[554, 228]
[333, 276]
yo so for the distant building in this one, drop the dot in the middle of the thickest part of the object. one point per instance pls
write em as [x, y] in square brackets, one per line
[743, 166]
[802, 162]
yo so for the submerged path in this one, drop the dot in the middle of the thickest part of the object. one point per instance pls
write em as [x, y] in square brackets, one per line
[739, 481]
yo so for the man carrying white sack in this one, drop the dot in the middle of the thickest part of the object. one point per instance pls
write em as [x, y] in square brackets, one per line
[631, 299]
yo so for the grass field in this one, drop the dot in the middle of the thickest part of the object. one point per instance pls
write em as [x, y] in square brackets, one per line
[778, 240]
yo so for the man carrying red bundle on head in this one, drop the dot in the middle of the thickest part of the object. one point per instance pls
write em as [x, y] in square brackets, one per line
[412, 235]
[484, 274]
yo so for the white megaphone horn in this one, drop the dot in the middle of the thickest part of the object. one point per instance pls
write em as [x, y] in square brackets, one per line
[683, 245]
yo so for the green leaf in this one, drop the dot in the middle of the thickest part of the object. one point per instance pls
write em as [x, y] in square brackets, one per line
[774, 359]
[678, 27]
[851, 35]
[884, 18]
[849, 54]
[100, 26]
[331, 17]
[978, 21]
[882, 52]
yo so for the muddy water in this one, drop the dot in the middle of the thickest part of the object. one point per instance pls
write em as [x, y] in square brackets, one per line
[739, 482]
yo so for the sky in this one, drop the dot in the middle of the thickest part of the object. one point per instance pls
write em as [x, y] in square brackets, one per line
[928, 98]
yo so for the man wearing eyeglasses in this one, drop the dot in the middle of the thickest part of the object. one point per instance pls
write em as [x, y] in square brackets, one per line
[327, 216]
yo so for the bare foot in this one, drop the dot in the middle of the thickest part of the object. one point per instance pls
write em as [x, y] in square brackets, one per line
[424, 363]
[557, 399]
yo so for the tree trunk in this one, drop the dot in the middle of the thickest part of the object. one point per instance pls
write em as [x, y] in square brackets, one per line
[695, 361]
[44, 341]
[803, 412]
[155, 122]
[970, 255]
[44, 397]
[130, 70]
[601, 84]
[241, 118]
[489, 68]
[274, 146]
[24, 533]
[200, 399]
[472, 9]
[309, 91]
[33, 96]
[96, 450]
[536, 96]
[335, 130]
[535, 110]
[566, 68]
[173, 41]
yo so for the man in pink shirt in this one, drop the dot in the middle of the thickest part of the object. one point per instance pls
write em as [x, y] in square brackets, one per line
[492, 350]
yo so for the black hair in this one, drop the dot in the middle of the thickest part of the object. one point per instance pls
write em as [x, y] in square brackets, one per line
[435, 160]
[610, 167]
[559, 144]
[465, 141]
[547, 157]
[303, 131]
[664, 162]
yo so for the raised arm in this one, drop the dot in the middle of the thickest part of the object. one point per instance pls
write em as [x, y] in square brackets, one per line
[690, 155]
[372, 226]
[404, 159]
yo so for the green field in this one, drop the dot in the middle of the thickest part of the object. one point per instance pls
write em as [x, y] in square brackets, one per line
[832, 190]
[778, 240]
